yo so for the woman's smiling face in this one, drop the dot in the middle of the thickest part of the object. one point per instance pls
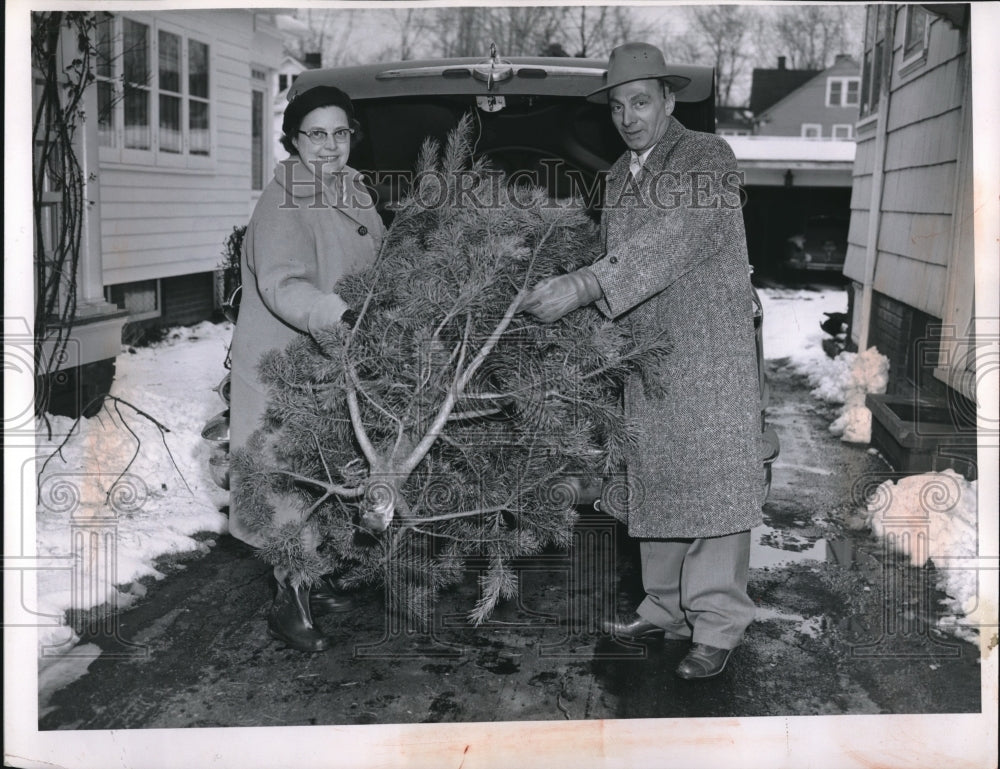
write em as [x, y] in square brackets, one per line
[331, 155]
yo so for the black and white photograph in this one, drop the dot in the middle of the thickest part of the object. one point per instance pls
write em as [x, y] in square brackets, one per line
[398, 384]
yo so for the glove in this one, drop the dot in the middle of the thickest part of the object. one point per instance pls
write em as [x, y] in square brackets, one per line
[555, 297]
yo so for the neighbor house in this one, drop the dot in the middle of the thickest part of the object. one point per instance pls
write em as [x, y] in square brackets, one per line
[910, 248]
[807, 103]
[177, 133]
[790, 175]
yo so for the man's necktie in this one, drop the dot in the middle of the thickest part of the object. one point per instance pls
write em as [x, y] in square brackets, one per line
[635, 166]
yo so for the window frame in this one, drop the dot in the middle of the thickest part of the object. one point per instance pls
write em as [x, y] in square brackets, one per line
[806, 126]
[848, 126]
[844, 81]
[260, 83]
[155, 156]
[919, 54]
[873, 67]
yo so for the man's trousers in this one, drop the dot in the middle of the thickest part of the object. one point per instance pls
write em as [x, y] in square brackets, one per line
[697, 588]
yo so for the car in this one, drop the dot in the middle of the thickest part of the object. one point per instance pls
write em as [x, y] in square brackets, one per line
[532, 121]
[819, 247]
[531, 117]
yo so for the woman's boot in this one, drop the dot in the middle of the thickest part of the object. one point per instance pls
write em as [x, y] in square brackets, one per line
[290, 620]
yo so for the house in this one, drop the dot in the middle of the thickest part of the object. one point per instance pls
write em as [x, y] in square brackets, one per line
[177, 130]
[791, 176]
[910, 249]
[807, 103]
[769, 86]
[289, 69]
[733, 121]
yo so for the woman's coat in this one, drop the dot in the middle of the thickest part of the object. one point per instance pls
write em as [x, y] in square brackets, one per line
[302, 238]
[676, 261]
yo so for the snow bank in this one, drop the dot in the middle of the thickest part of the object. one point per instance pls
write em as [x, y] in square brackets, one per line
[846, 379]
[933, 517]
[115, 478]
[792, 330]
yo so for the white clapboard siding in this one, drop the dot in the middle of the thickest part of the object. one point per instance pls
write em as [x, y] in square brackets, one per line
[926, 142]
[914, 283]
[925, 95]
[920, 190]
[915, 217]
[160, 222]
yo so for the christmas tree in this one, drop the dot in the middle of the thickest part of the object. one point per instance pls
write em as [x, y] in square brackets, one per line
[445, 424]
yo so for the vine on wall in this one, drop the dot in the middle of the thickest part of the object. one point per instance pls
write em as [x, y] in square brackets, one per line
[58, 183]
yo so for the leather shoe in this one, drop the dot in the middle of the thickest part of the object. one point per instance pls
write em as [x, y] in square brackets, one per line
[327, 597]
[703, 661]
[635, 628]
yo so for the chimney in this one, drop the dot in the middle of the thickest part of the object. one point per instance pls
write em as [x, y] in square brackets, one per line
[842, 57]
[313, 60]
[781, 62]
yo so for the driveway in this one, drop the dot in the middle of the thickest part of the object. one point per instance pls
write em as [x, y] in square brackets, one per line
[842, 627]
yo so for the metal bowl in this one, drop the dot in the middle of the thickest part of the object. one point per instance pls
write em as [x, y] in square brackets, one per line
[223, 388]
[216, 430]
[218, 466]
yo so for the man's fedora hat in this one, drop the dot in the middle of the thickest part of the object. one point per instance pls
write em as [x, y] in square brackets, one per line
[636, 61]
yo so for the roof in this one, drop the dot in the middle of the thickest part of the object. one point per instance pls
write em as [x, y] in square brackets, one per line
[769, 86]
[787, 151]
[549, 76]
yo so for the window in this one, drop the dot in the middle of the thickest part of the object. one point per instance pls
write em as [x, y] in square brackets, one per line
[872, 67]
[915, 36]
[843, 131]
[812, 131]
[843, 91]
[141, 299]
[153, 93]
[256, 139]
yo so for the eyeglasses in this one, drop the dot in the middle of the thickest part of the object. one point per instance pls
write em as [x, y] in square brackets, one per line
[318, 136]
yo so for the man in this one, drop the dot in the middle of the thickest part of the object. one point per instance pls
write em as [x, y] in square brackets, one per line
[675, 260]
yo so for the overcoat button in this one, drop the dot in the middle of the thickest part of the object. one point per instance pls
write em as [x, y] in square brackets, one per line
[362, 230]
[613, 260]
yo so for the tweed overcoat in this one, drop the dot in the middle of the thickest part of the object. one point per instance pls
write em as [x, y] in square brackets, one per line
[302, 238]
[676, 260]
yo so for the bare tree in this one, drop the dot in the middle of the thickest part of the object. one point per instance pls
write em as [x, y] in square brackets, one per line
[411, 27]
[329, 33]
[721, 36]
[521, 30]
[592, 31]
[810, 36]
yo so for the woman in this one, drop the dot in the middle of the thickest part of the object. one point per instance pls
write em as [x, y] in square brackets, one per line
[313, 224]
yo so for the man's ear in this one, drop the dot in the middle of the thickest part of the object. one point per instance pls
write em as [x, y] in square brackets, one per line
[669, 100]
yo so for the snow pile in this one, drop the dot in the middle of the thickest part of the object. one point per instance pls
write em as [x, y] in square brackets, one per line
[791, 323]
[846, 379]
[933, 517]
[112, 495]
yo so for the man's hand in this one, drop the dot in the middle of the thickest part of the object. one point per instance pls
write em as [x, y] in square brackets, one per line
[554, 297]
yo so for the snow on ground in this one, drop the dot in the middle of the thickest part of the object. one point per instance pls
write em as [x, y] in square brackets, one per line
[792, 330]
[933, 517]
[155, 507]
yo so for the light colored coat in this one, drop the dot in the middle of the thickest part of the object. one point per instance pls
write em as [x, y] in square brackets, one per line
[302, 238]
[676, 259]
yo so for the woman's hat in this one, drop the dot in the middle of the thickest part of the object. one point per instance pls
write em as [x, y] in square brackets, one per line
[636, 61]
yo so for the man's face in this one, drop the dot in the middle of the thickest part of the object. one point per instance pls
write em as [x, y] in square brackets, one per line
[639, 111]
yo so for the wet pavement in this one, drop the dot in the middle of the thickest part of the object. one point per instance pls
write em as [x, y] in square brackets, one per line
[842, 627]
